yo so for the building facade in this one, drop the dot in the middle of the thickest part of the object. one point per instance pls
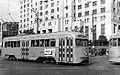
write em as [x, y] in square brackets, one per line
[10, 29]
[95, 17]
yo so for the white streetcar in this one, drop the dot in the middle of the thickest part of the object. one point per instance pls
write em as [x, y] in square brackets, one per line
[114, 50]
[59, 47]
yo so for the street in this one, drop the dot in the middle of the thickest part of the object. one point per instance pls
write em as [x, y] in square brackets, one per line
[98, 66]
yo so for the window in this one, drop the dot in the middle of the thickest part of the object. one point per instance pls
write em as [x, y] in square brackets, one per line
[36, 4]
[52, 4]
[102, 29]
[57, 8]
[94, 3]
[86, 5]
[79, 14]
[118, 4]
[52, 10]
[66, 1]
[41, 8]
[52, 42]
[66, 21]
[103, 10]
[94, 11]
[66, 7]
[114, 28]
[79, 6]
[81, 42]
[86, 13]
[114, 42]
[47, 42]
[32, 43]
[27, 19]
[41, 2]
[46, 12]
[41, 13]
[50, 23]
[66, 29]
[57, 16]
[44, 31]
[46, 6]
[46, 18]
[37, 43]
[118, 41]
[87, 30]
[66, 14]
[102, 1]
[27, 5]
[6, 44]
[74, 7]
[49, 30]
[21, 7]
[12, 44]
[52, 17]
[42, 43]
[118, 27]
[18, 44]
[74, 14]
[57, 2]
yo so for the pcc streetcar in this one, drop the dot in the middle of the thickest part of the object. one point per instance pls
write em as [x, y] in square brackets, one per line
[59, 47]
[114, 49]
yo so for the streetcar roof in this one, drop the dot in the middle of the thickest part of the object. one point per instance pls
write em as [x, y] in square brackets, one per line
[47, 35]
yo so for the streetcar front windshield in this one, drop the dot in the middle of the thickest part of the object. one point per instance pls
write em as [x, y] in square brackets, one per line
[115, 42]
[81, 42]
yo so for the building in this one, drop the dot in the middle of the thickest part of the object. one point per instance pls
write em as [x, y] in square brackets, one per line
[0, 32]
[10, 29]
[116, 16]
[95, 17]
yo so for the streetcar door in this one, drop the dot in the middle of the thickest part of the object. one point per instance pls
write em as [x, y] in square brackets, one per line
[69, 49]
[61, 49]
[65, 49]
[25, 50]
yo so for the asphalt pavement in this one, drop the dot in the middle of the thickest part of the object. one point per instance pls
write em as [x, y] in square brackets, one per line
[98, 65]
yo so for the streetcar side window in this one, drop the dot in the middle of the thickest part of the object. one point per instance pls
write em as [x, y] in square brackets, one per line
[14, 44]
[37, 43]
[42, 43]
[81, 42]
[52, 42]
[32, 43]
[18, 44]
[47, 42]
[118, 41]
[6, 44]
[114, 42]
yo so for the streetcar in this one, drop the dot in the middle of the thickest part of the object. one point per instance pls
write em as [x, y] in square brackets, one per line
[114, 49]
[57, 47]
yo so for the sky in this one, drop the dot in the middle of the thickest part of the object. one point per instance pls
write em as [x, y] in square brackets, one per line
[9, 6]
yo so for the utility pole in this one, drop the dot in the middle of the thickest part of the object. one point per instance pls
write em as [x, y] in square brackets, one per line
[36, 19]
[93, 30]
